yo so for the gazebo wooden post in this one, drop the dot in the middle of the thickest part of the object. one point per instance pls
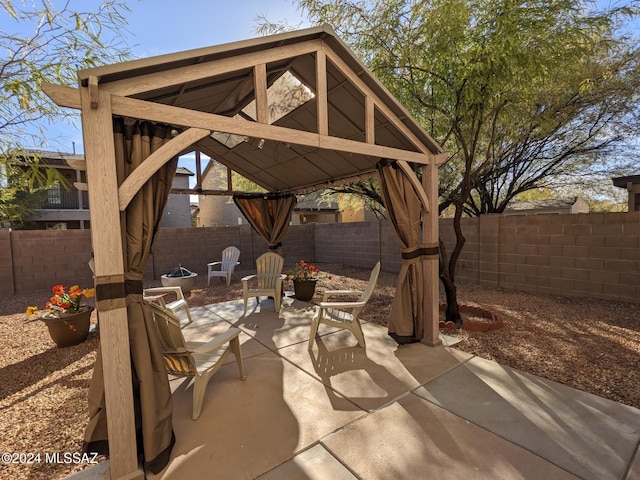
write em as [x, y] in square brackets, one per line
[430, 236]
[106, 237]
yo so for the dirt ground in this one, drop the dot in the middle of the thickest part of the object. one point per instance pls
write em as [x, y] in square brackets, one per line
[589, 344]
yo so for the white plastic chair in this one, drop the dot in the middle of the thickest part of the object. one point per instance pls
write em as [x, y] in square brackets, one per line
[344, 314]
[157, 295]
[268, 277]
[193, 359]
[230, 256]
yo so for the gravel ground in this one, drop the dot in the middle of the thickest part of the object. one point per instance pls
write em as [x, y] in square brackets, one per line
[592, 345]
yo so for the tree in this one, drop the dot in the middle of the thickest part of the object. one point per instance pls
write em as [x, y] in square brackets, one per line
[495, 82]
[45, 43]
[574, 124]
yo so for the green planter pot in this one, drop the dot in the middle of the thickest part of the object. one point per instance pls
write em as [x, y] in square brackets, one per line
[304, 289]
[71, 328]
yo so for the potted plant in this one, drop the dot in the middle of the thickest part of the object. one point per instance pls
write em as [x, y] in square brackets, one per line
[304, 277]
[67, 320]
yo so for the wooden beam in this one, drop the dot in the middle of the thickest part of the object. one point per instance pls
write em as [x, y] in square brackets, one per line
[430, 266]
[93, 91]
[369, 120]
[367, 92]
[140, 109]
[322, 93]
[63, 96]
[440, 158]
[260, 90]
[97, 129]
[129, 107]
[181, 75]
[154, 162]
[334, 183]
[82, 186]
[192, 191]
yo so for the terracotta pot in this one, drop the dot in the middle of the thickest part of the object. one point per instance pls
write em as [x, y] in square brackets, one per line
[304, 289]
[71, 328]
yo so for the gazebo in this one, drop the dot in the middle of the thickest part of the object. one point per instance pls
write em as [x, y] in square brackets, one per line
[139, 116]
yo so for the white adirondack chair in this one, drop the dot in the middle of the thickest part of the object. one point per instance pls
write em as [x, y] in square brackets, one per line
[224, 268]
[267, 282]
[157, 295]
[344, 314]
[191, 359]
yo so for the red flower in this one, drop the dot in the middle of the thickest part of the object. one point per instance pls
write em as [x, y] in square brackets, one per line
[58, 289]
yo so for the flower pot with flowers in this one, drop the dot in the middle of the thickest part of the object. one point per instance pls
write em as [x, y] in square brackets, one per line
[67, 320]
[304, 277]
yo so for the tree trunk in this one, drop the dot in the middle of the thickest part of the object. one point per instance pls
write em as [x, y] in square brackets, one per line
[452, 312]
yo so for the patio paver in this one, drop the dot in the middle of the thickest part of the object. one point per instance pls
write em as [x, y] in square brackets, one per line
[588, 435]
[342, 412]
[414, 438]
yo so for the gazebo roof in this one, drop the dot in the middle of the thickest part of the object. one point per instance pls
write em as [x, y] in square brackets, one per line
[350, 122]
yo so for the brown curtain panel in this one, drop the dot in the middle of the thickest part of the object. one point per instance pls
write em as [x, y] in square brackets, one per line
[404, 209]
[268, 214]
[134, 142]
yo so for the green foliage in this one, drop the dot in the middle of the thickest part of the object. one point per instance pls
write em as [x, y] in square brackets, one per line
[49, 44]
[21, 190]
[45, 43]
[517, 92]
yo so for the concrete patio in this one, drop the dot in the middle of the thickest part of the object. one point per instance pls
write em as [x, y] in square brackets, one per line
[387, 412]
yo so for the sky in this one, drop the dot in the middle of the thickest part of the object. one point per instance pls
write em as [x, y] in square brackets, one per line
[157, 27]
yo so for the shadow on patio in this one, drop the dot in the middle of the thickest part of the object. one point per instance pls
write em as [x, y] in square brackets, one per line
[343, 412]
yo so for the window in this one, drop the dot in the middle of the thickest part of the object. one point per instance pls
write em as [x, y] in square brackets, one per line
[636, 202]
[54, 195]
[285, 95]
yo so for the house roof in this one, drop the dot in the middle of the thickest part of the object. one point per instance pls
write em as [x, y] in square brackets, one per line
[623, 181]
[184, 171]
[552, 203]
[364, 122]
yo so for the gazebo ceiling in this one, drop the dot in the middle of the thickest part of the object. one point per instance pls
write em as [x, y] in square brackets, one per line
[221, 80]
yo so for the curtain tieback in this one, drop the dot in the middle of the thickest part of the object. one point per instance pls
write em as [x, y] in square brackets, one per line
[420, 251]
[112, 290]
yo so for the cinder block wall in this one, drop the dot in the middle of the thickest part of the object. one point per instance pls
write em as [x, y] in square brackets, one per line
[594, 255]
[6, 263]
[358, 244]
[587, 255]
[299, 243]
[42, 259]
[193, 248]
